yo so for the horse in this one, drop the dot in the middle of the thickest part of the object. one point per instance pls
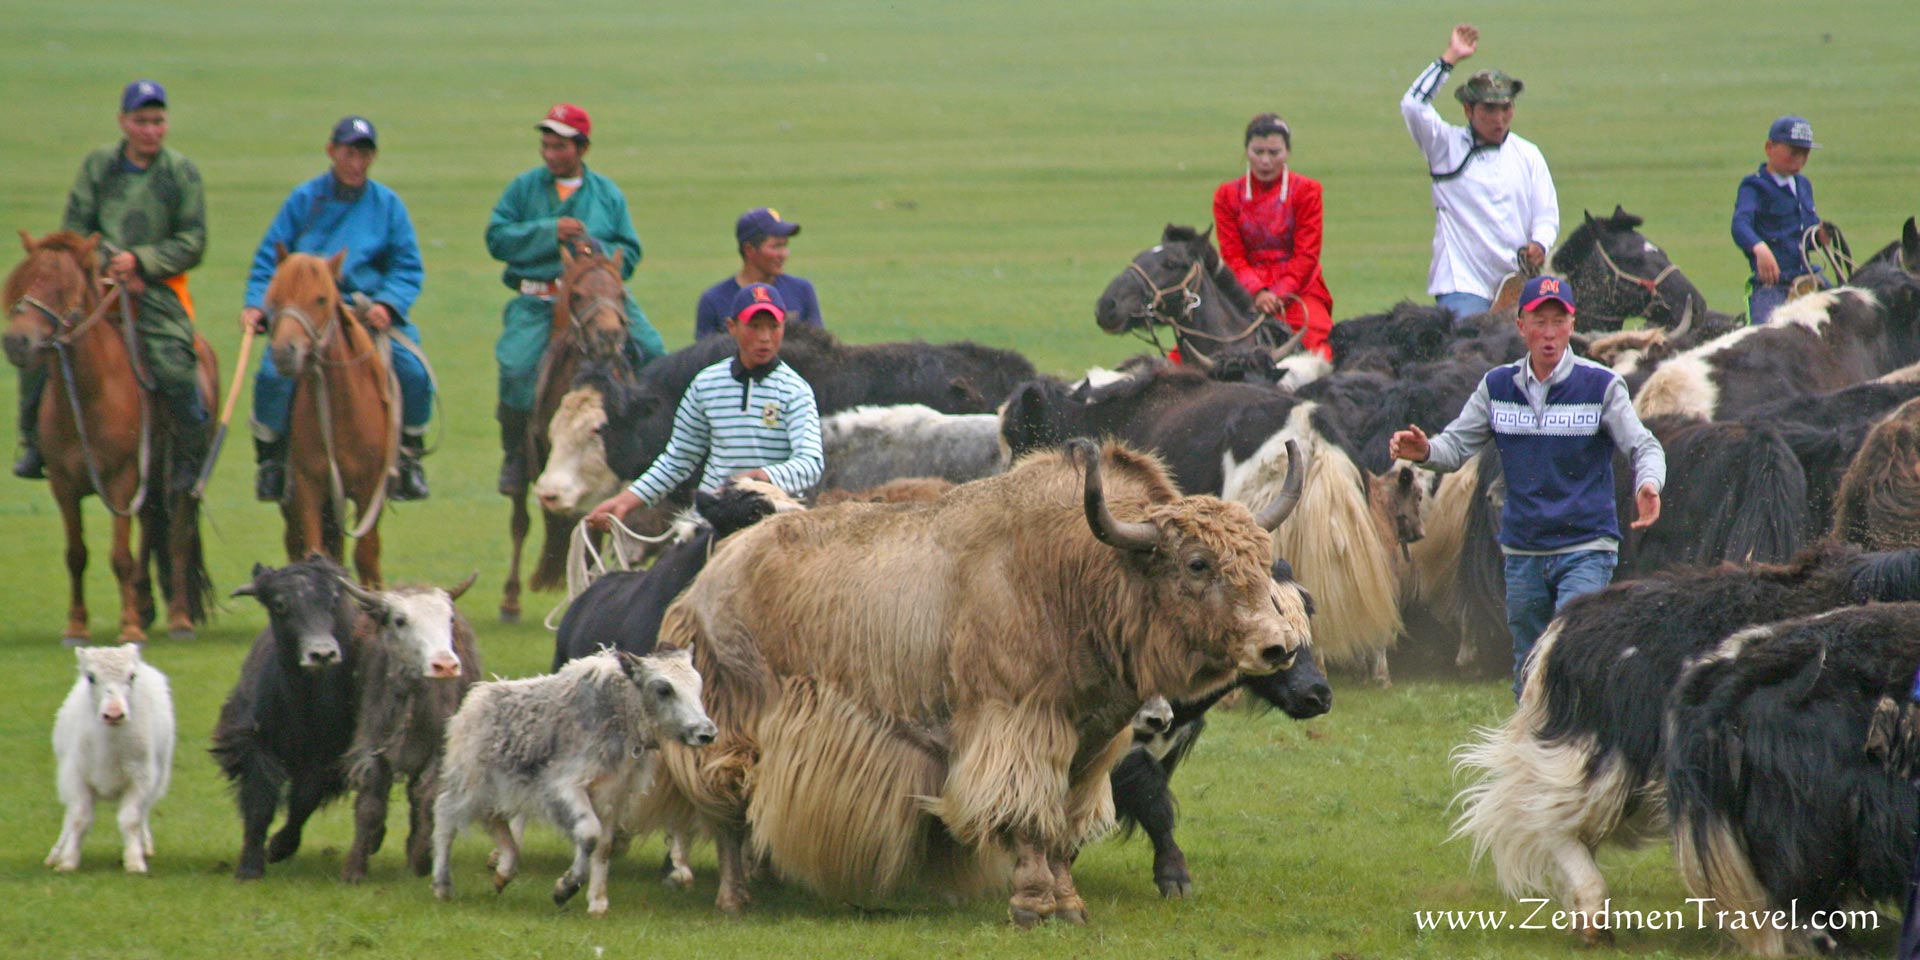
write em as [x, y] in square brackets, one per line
[1619, 273]
[589, 320]
[1181, 282]
[344, 432]
[96, 429]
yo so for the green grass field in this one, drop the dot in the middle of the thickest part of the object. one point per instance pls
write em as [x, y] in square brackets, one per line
[973, 170]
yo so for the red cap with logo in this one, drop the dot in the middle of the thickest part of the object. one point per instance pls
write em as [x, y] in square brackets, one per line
[566, 120]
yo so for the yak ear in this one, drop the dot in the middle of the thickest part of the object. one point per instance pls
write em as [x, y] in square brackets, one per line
[279, 253]
[247, 589]
[460, 589]
[631, 666]
[1910, 247]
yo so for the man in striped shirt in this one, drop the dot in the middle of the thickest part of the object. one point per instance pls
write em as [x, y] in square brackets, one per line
[750, 416]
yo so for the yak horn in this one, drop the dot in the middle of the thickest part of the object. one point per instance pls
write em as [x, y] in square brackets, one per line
[1134, 537]
[1686, 320]
[1189, 354]
[1291, 347]
[1273, 514]
[454, 593]
[366, 598]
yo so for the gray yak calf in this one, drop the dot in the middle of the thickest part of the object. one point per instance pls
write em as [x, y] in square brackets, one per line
[576, 747]
[418, 661]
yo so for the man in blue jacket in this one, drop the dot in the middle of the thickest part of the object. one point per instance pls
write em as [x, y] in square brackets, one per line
[1773, 211]
[761, 238]
[343, 210]
[1557, 420]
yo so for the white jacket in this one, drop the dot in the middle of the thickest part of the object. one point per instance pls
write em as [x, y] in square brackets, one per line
[1502, 199]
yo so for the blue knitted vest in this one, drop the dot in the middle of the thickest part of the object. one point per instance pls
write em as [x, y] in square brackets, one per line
[1558, 463]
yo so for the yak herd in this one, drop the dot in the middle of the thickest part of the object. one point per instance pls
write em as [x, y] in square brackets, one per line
[995, 631]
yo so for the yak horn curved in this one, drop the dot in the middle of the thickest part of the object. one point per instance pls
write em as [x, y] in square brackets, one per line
[454, 592]
[1686, 321]
[366, 598]
[1135, 537]
[1273, 514]
[1192, 355]
[1289, 348]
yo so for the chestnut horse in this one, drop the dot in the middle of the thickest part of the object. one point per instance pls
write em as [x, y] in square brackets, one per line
[343, 436]
[97, 431]
[589, 320]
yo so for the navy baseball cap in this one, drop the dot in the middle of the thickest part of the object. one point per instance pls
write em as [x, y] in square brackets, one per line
[142, 93]
[762, 222]
[755, 298]
[1542, 288]
[355, 129]
[1792, 131]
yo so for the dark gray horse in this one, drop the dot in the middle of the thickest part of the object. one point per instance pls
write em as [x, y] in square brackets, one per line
[1181, 283]
[1619, 273]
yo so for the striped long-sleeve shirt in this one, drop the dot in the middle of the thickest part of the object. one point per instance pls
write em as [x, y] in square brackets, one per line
[740, 423]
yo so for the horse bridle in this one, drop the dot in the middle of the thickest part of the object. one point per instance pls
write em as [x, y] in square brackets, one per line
[595, 305]
[319, 338]
[1188, 285]
[1650, 286]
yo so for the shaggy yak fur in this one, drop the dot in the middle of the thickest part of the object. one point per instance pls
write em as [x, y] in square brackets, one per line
[1581, 757]
[1778, 790]
[418, 658]
[1878, 506]
[911, 692]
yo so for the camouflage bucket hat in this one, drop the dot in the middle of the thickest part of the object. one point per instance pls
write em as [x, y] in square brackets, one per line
[1489, 86]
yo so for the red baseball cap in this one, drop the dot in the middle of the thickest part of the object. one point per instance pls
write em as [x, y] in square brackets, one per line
[566, 120]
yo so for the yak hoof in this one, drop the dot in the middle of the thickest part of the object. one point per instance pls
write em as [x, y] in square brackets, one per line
[500, 881]
[284, 845]
[1023, 918]
[180, 633]
[733, 903]
[65, 867]
[350, 875]
[443, 891]
[1176, 888]
[679, 877]
[1596, 937]
[564, 889]
[246, 872]
[509, 615]
[1074, 915]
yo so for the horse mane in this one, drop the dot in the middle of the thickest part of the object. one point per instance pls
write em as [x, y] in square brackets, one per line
[80, 249]
[1223, 278]
[1578, 245]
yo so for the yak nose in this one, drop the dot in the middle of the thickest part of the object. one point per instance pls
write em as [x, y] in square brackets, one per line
[1158, 724]
[444, 668]
[1318, 699]
[113, 715]
[702, 734]
[322, 658]
[549, 501]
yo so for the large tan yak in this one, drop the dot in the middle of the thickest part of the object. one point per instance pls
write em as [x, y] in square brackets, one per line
[910, 693]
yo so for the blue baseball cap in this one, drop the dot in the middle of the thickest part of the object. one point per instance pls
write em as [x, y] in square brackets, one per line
[1792, 131]
[1545, 287]
[355, 129]
[142, 93]
[755, 298]
[762, 222]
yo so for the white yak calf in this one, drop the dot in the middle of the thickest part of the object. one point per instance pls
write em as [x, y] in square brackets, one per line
[113, 740]
[576, 747]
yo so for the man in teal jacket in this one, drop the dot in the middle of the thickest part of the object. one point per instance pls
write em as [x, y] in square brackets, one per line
[344, 211]
[561, 202]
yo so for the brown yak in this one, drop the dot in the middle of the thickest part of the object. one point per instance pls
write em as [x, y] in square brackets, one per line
[913, 692]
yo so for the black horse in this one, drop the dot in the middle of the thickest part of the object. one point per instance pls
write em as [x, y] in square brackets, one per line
[1181, 283]
[1619, 273]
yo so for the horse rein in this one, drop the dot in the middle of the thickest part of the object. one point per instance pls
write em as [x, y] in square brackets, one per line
[1651, 287]
[336, 487]
[598, 303]
[60, 342]
[1188, 283]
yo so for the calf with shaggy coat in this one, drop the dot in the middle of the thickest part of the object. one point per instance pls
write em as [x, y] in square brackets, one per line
[575, 747]
[417, 661]
[868, 446]
[112, 740]
[290, 718]
[1580, 760]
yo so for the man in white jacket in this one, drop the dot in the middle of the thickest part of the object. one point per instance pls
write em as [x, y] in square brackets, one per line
[1493, 198]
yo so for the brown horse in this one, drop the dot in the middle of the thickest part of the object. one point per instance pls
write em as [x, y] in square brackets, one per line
[344, 431]
[589, 320]
[97, 429]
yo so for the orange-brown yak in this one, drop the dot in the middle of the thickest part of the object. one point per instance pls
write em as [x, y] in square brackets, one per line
[913, 692]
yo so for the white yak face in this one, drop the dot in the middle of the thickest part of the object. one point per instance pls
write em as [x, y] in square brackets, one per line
[576, 476]
[670, 693]
[108, 674]
[421, 624]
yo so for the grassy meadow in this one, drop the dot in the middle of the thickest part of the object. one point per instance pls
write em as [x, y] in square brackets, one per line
[969, 170]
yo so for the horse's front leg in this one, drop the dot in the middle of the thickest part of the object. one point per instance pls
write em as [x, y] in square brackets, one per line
[510, 599]
[183, 550]
[69, 501]
[304, 527]
[366, 556]
[132, 629]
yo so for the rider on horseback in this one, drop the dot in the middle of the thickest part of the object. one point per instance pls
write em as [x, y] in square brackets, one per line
[561, 202]
[343, 211]
[147, 202]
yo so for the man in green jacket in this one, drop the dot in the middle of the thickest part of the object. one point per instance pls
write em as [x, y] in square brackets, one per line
[561, 202]
[147, 203]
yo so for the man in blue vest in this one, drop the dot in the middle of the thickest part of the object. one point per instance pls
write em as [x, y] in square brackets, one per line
[343, 210]
[1771, 213]
[1557, 419]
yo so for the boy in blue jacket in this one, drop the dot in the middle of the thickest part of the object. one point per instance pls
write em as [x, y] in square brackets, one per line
[1773, 212]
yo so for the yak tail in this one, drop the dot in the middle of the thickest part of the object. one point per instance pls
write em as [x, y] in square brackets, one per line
[1532, 798]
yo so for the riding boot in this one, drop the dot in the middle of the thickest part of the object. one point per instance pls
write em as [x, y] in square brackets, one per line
[513, 447]
[270, 478]
[30, 466]
[188, 418]
[410, 480]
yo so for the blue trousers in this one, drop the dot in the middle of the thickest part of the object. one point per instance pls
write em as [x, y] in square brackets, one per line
[273, 392]
[1763, 299]
[1537, 587]
[1463, 305]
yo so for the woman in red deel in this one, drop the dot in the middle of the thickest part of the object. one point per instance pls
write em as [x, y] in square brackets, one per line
[1268, 226]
